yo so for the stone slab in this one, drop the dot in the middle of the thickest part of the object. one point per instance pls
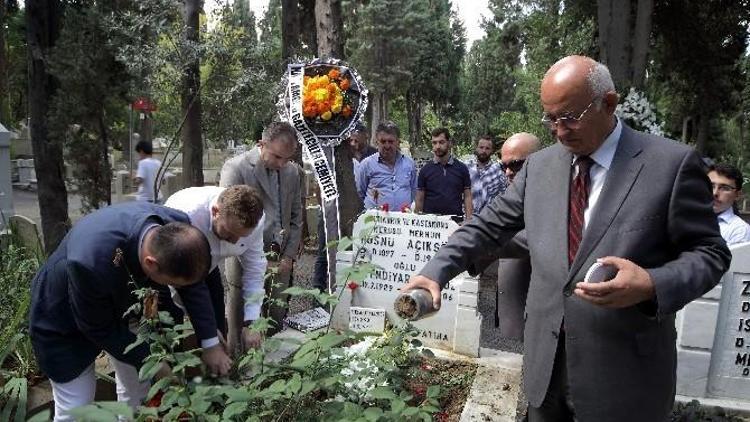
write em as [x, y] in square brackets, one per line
[699, 324]
[692, 376]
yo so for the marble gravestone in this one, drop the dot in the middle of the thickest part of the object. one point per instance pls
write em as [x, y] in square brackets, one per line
[713, 338]
[400, 245]
[729, 373]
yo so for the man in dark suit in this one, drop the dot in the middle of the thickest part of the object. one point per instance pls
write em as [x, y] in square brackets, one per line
[81, 294]
[604, 193]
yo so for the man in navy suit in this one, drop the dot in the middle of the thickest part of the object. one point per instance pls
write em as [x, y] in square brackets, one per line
[81, 294]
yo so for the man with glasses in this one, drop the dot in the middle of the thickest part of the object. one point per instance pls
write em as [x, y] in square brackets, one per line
[726, 181]
[513, 274]
[487, 178]
[639, 203]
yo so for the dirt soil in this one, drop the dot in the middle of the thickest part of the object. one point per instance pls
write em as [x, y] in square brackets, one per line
[454, 378]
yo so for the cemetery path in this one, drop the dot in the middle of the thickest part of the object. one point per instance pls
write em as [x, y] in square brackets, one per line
[26, 203]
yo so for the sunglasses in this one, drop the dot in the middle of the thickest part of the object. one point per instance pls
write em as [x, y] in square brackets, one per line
[514, 166]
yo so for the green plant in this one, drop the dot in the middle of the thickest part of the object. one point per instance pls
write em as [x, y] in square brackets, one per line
[332, 376]
[17, 267]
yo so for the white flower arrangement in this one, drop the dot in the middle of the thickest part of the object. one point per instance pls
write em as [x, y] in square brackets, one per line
[638, 111]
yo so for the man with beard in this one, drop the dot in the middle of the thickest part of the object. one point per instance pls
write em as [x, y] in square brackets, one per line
[444, 184]
[487, 178]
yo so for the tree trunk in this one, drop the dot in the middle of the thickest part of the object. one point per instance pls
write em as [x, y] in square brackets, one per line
[414, 113]
[290, 27]
[106, 166]
[614, 39]
[4, 94]
[686, 128]
[702, 137]
[330, 28]
[641, 40]
[42, 31]
[378, 102]
[308, 35]
[192, 141]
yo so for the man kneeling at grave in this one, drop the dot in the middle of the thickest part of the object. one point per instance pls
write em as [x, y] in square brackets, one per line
[232, 220]
[81, 295]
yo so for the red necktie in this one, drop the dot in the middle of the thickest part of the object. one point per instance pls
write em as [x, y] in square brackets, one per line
[579, 198]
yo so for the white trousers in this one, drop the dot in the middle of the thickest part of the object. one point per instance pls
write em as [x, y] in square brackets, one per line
[80, 391]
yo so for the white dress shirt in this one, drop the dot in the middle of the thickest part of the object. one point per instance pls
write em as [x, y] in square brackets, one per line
[196, 202]
[733, 228]
[602, 158]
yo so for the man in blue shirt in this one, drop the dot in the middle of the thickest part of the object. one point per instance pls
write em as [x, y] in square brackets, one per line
[444, 184]
[387, 179]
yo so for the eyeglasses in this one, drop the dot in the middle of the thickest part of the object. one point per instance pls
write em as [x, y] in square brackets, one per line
[567, 120]
[722, 187]
[514, 166]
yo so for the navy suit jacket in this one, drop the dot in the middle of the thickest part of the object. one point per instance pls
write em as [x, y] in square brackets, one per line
[80, 295]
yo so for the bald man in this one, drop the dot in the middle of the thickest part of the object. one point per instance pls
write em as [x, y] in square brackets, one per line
[605, 193]
[513, 273]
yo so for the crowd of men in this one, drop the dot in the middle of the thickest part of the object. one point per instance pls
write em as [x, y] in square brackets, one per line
[602, 193]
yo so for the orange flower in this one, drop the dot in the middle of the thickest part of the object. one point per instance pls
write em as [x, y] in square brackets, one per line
[333, 73]
[346, 111]
[344, 84]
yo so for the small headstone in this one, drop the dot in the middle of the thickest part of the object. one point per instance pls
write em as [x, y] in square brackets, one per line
[309, 320]
[366, 320]
[25, 231]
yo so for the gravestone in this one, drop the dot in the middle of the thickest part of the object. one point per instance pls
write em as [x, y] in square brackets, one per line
[729, 374]
[6, 188]
[713, 338]
[26, 233]
[400, 245]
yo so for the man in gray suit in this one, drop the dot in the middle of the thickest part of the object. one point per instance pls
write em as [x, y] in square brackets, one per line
[267, 168]
[603, 193]
[513, 273]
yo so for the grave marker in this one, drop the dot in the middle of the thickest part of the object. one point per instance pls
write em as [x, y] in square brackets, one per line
[729, 374]
[401, 245]
[366, 320]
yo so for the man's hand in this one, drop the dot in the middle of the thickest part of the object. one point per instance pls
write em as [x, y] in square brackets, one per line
[251, 339]
[631, 285]
[422, 282]
[285, 265]
[217, 360]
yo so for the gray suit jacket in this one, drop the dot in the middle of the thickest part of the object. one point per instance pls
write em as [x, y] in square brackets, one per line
[248, 169]
[654, 209]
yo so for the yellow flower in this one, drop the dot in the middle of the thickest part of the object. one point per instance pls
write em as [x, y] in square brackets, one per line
[336, 108]
[326, 116]
[320, 94]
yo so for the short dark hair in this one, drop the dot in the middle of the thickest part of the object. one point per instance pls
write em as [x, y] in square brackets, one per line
[181, 250]
[280, 131]
[729, 171]
[144, 147]
[487, 138]
[388, 127]
[242, 202]
[441, 131]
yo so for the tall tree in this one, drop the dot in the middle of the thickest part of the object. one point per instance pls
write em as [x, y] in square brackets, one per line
[192, 139]
[88, 102]
[623, 45]
[698, 47]
[43, 29]
[330, 28]
[4, 97]
[384, 48]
